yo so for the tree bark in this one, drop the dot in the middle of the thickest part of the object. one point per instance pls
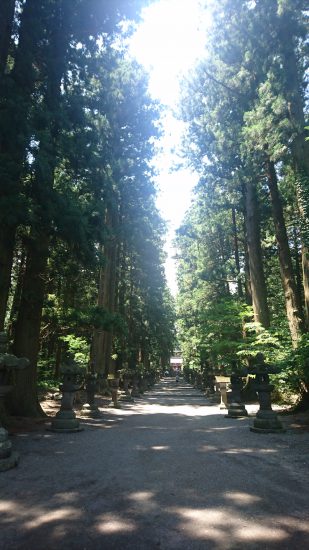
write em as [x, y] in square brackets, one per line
[298, 266]
[258, 284]
[236, 252]
[224, 283]
[12, 150]
[20, 261]
[292, 305]
[293, 86]
[97, 348]
[6, 260]
[23, 400]
[110, 293]
[7, 8]
[58, 359]
[120, 307]
[305, 269]
[103, 339]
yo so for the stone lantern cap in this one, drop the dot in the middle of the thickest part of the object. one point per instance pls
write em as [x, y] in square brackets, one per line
[72, 378]
[260, 367]
[113, 380]
[70, 369]
[8, 360]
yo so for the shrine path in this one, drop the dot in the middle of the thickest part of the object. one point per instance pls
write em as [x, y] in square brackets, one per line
[166, 472]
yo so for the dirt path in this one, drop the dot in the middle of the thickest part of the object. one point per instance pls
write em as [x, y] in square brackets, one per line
[168, 471]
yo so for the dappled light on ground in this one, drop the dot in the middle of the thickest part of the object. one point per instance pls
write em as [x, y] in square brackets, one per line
[110, 523]
[167, 471]
[224, 526]
[241, 498]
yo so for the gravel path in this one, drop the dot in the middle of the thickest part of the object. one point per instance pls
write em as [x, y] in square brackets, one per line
[166, 472]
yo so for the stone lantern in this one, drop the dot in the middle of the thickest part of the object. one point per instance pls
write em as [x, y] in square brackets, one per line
[8, 363]
[113, 383]
[266, 420]
[90, 409]
[135, 383]
[236, 409]
[127, 380]
[65, 419]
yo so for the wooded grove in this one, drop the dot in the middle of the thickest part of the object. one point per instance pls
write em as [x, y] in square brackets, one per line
[81, 241]
[243, 246]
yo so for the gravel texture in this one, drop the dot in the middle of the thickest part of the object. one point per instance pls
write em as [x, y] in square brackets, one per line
[168, 471]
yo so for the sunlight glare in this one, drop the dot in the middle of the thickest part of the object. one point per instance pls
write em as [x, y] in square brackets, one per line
[168, 42]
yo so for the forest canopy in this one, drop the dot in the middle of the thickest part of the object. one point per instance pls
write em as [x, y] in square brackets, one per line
[243, 247]
[81, 238]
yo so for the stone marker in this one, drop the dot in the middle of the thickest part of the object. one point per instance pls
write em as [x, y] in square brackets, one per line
[221, 382]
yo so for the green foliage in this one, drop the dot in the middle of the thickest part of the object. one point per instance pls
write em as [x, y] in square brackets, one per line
[243, 108]
[294, 377]
[77, 348]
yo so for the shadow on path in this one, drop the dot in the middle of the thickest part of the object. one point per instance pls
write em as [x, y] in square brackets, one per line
[168, 471]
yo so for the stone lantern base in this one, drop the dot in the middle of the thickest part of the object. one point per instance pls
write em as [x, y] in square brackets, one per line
[64, 422]
[90, 410]
[266, 421]
[236, 410]
[8, 458]
[126, 397]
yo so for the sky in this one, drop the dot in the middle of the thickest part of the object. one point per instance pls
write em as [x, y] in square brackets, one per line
[169, 40]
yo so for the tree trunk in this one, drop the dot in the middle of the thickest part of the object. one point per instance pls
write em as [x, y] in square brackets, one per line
[23, 400]
[236, 252]
[224, 283]
[111, 300]
[293, 86]
[258, 284]
[6, 259]
[97, 348]
[305, 267]
[16, 108]
[293, 307]
[58, 359]
[7, 8]
[120, 308]
[248, 290]
[103, 339]
[297, 263]
[20, 261]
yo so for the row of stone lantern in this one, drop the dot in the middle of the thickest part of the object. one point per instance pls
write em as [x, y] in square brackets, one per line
[266, 420]
[65, 419]
[72, 381]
